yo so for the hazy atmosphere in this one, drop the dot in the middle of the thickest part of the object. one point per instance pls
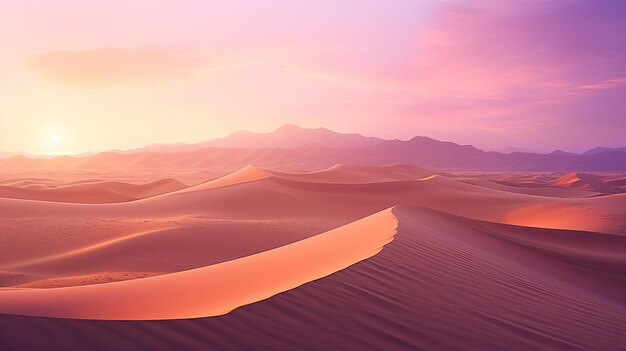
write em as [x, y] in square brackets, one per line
[357, 175]
[100, 75]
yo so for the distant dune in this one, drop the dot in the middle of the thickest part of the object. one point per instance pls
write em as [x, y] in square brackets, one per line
[584, 181]
[356, 174]
[247, 174]
[96, 192]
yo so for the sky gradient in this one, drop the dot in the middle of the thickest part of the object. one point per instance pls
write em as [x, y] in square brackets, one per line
[99, 75]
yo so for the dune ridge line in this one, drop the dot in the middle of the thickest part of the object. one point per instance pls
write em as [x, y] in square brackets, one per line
[216, 289]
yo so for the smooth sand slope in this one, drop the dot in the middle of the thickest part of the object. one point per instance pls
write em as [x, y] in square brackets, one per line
[529, 188]
[584, 181]
[559, 184]
[358, 174]
[212, 290]
[90, 192]
[244, 175]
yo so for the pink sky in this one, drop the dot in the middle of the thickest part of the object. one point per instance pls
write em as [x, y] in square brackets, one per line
[98, 75]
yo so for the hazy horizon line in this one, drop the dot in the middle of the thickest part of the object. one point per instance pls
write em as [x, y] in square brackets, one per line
[506, 149]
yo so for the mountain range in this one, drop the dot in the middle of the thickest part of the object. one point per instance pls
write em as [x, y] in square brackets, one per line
[292, 147]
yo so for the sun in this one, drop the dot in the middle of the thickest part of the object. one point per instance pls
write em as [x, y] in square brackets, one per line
[53, 141]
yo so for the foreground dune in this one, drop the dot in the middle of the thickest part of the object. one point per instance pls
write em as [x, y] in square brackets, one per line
[444, 283]
[215, 289]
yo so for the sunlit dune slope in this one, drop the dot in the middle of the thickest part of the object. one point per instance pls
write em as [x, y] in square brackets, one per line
[583, 181]
[211, 290]
[357, 174]
[246, 174]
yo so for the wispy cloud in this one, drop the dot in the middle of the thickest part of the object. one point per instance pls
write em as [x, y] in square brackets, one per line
[525, 63]
[607, 84]
[114, 66]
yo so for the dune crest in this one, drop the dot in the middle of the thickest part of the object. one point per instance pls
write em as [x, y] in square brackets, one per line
[216, 289]
[246, 174]
[91, 192]
[583, 181]
[359, 174]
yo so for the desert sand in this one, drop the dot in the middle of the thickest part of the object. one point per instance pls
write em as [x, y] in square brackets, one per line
[308, 259]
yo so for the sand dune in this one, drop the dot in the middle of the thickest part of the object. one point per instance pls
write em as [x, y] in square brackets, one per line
[60, 244]
[619, 183]
[22, 182]
[444, 283]
[483, 261]
[98, 192]
[356, 174]
[272, 197]
[211, 290]
[247, 174]
[583, 181]
[140, 248]
[537, 189]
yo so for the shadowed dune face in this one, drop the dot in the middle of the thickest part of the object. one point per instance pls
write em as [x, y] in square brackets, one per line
[479, 259]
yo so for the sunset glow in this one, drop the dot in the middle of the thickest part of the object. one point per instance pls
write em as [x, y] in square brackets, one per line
[472, 72]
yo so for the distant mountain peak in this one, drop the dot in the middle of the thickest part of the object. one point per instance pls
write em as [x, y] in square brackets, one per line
[560, 152]
[290, 146]
[291, 136]
[601, 149]
[512, 149]
[287, 127]
[312, 148]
